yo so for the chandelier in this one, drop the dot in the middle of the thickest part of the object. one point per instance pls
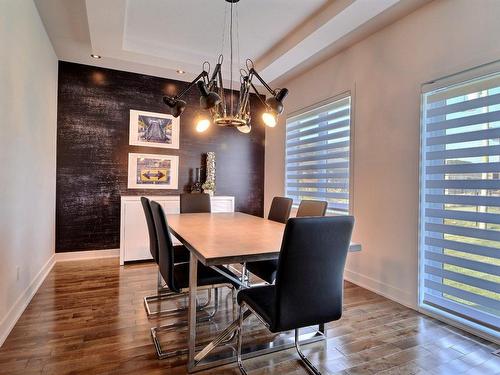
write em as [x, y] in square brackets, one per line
[229, 111]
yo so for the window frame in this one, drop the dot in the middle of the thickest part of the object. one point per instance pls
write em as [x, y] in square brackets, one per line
[446, 81]
[313, 107]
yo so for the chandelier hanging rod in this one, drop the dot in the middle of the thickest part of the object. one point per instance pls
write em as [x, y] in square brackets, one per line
[213, 95]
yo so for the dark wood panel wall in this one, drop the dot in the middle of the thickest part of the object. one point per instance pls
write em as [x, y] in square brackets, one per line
[92, 152]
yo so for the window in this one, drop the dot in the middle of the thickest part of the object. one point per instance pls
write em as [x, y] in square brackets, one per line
[317, 155]
[460, 202]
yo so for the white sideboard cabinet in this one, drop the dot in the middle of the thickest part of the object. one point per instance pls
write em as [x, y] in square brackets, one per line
[134, 239]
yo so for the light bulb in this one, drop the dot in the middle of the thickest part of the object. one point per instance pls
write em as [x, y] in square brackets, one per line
[244, 129]
[269, 119]
[202, 125]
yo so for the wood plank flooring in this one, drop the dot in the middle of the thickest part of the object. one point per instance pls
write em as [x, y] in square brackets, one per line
[88, 318]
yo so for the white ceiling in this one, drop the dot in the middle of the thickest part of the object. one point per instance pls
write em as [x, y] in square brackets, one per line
[158, 37]
[192, 30]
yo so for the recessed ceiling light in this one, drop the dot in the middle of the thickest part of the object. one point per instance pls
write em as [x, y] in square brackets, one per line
[95, 56]
[180, 71]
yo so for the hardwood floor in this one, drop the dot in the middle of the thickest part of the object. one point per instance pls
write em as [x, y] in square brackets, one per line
[88, 318]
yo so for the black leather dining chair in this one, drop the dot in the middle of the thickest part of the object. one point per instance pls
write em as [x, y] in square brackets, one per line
[280, 212]
[280, 209]
[312, 208]
[176, 276]
[310, 280]
[181, 254]
[195, 203]
[266, 269]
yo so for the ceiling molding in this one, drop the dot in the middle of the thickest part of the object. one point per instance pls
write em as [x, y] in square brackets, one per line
[346, 21]
[157, 37]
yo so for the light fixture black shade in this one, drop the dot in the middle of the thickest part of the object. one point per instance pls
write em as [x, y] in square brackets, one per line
[208, 99]
[282, 94]
[177, 106]
[275, 103]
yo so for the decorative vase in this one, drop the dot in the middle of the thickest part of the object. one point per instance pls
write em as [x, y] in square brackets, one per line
[209, 185]
[196, 188]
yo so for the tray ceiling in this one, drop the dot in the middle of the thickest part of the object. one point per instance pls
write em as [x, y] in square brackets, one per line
[158, 37]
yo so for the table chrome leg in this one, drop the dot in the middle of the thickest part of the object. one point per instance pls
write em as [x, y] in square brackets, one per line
[235, 280]
[171, 327]
[198, 361]
[223, 336]
[233, 300]
[244, 276]
[193, 284]
[159, 283]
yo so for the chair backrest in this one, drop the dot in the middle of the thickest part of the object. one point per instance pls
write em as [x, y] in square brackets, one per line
[153, 239]
[165, 246]
[310, 278]
[312, 208]
[280, 209]
[195, 203]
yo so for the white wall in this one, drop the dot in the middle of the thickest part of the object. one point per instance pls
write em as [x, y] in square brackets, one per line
[385, 73]
[28, 93]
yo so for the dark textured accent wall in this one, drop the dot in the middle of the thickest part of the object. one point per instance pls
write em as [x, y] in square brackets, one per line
[92, 152]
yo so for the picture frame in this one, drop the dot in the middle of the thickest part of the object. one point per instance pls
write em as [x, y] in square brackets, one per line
[153, 171]
[152, 129]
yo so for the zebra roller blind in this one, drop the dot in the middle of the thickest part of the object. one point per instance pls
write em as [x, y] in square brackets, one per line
[460, 202]
[317, 155]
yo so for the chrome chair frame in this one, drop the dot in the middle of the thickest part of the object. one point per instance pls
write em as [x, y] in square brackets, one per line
[242, 316]
[169, 327]
[164, 294]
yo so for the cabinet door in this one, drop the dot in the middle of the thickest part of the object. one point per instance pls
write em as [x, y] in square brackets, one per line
[171, 207]
[135, 236]
[222, 205]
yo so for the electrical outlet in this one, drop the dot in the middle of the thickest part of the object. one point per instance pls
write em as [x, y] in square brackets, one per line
[18, 271]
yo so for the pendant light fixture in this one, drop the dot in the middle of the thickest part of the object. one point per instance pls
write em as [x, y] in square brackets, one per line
[229, 111]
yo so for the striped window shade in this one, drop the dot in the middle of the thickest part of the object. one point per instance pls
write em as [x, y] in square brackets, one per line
[460, 202]
[317, 155]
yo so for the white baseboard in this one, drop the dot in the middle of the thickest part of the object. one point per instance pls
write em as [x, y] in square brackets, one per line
[386, 290]
[92, 254]
[15, 312]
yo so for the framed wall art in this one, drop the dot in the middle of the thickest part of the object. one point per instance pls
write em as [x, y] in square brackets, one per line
[153, 171]
[153, 129]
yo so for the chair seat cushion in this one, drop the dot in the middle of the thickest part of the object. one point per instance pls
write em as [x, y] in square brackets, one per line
[206, 276]
[181, 254]
[260, 299]
[265, 269]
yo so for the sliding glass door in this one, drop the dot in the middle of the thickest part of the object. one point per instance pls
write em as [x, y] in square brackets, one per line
[460, 201]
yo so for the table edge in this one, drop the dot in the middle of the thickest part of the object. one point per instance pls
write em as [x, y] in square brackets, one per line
[353, 248]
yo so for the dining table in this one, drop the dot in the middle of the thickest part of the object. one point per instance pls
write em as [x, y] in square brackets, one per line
[216, 239]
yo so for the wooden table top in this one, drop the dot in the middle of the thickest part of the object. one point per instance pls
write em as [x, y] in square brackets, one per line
[233, 237]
